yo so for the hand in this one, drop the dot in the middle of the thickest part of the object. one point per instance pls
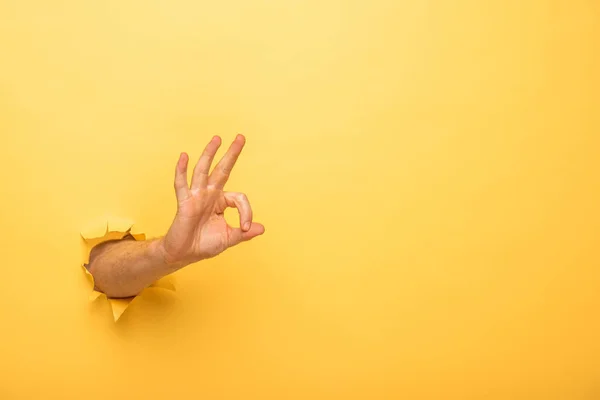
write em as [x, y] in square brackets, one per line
[199, 230]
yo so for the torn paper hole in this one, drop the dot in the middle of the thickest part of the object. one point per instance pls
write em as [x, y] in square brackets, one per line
[111, 229]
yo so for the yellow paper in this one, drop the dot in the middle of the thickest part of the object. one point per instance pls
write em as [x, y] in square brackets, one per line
[116, 224]
[427, 172]
[94, 230]
[114, 228]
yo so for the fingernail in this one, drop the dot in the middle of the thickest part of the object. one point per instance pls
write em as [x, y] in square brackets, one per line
[247, 226]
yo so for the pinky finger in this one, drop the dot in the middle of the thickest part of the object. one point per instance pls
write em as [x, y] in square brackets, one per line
[181, 185]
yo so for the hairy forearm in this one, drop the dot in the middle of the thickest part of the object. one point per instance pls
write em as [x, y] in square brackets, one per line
[123, 268]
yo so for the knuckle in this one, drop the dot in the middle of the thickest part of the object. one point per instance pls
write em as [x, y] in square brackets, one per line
[242, 197]
[226, 170]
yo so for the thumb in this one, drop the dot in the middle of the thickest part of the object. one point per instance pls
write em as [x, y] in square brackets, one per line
[237, 235]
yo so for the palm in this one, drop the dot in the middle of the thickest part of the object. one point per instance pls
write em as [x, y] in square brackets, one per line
[199, 229]
[213, 238]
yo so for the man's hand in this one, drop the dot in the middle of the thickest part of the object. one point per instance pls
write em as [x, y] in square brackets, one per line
[124, 268]
[199, 230]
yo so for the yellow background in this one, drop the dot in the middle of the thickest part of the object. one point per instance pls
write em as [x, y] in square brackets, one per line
[428, 173]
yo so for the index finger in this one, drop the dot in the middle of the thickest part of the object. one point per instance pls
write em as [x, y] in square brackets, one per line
[221, 173]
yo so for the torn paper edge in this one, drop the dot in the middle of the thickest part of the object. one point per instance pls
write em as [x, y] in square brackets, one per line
[95, 235]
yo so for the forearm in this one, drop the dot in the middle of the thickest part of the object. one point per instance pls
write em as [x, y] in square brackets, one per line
[124, 268]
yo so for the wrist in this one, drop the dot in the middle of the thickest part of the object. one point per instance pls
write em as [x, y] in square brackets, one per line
[159, 251]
